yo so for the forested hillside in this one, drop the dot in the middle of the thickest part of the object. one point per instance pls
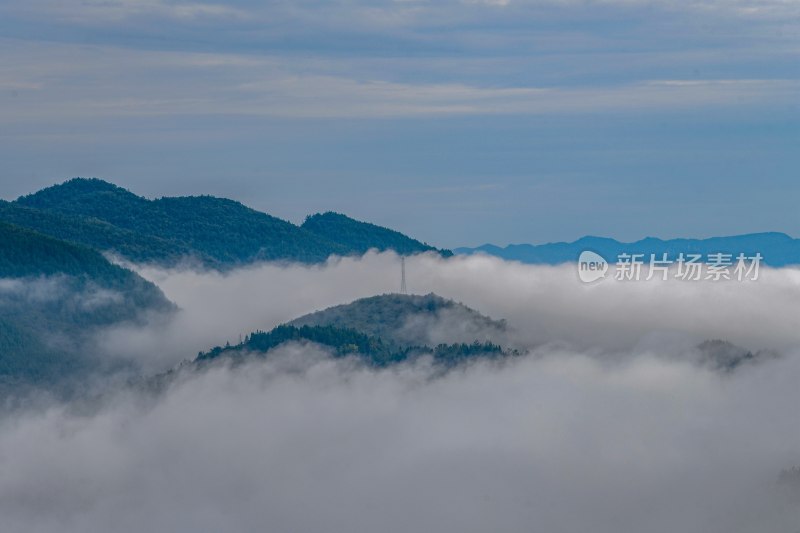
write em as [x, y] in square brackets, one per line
[344, 342]
[214, 232]
[359, 236]
[376, 330]
[409, 319]
[53, 294]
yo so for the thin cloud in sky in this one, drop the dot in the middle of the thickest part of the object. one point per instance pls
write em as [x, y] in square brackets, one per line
[142, 83]
[454, 89]
[151, 57]
[97, 11]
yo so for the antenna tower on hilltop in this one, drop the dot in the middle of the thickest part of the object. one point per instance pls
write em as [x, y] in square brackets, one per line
[403, 289]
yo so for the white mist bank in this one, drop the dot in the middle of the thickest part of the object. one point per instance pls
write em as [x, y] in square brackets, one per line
[542, 304]
[605, 426]
[302, 443]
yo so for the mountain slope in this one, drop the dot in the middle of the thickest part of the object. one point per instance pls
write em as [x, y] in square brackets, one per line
[92, 198]
[359, 237]
[408, 320]
[53, 294]
[777, 249]
[94, 233]
[384, 330]
[216, 232]
[344, 342]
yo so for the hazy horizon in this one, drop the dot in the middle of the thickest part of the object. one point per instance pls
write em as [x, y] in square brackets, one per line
[498, 241]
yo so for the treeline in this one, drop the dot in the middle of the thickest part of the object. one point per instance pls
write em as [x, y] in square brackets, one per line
[359, 237]
[215, 232]
[388, 316]
[348, 342]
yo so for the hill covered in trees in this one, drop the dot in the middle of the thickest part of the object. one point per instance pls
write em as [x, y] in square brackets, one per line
[53, 294]
[383, 330]
[410, 319]
[359, 237]
[216, 232]
[95, 233]
[343, 342]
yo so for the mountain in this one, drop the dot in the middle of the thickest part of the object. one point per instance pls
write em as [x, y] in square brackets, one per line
[408, 320]
[359, 236]
[53, 294]
[216, 232]
[777, 249]
[343, 342]
[384, 330]
[727, 357]
[95, 233]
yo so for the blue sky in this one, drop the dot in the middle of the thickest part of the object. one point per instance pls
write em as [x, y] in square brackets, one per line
[459, 122]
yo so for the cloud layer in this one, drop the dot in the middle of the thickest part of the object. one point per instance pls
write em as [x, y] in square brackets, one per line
[340, 59]
[608, 424]
[542, 305]
[305, 444]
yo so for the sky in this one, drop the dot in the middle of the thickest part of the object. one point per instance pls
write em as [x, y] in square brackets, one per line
[457, 122]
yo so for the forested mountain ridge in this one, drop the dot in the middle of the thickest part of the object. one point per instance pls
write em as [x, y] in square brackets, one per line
[216, 232]
[95, 233]
[53, 294]
[360, 236]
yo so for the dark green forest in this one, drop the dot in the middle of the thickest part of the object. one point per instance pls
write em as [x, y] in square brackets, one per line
[344, 342]
[371, 329]
[216, 232]
[53, 294]
[388, 316]
[57, 288]
[359, 237]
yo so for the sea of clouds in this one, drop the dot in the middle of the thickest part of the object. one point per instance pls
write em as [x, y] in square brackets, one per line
[608, 424]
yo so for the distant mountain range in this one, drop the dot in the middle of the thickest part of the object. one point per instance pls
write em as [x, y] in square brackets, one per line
[216, 232]
[777, 249]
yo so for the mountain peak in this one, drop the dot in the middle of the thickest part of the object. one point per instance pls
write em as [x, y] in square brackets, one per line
[216, 232]
[408, 319]
[80, 185]
[387, 329]
[89, 184]
[75, 194]
[363, 236]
